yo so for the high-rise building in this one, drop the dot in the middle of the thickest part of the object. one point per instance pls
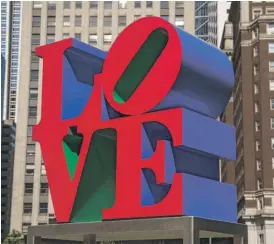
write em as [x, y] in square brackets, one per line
[209, 20]
[7, 162]
[228, 167]
[251, 27]
[206, 18]
[96, 23]
[10, 39]
[3, 64]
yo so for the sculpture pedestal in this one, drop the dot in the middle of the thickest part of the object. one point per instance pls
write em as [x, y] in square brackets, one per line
[184, 229]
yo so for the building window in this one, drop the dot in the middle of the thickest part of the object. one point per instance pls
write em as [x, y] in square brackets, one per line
[50, 39]
[36, 20]
[271, 47]
[272, 104]
[34, 58]
[164, 4]
[27, 208]
[32, 111]
[78, 36]
[78, 20]
[67, 5]
[44, 188]
[271, 85]
[35, 39]
[271, 66]
[30, 149]
[256, 89]
[29, 170]
[258, 145]
[122, 5]
[107, 21]
[259, 184]
[29, 133]
[107, 38]
[37, 5]
[93, 39]
[259, 165]
[270, 12]
[43, 208]
[78, 4]
[93, 4]
[256, 107]
[107, 4]
[149, 4]
[92, 20]
[257, 126]
[66, 21]
[137, 17]
[272, 143]
[34, 75]
[51, 6]
[179, 20]
[165, 17]
[137, 4]
[272, 123]
[272, 162]
[122, 20]
[51, 21]
[179, 4]
[256, 69]
[255, 51]
[270, 28]
[28, 188]
[66, 35]
[43, 170]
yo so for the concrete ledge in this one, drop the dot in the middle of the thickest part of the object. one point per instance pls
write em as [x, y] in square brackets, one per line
[190, 229]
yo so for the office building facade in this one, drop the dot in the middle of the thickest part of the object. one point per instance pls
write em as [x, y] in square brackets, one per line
[206, 20]
[96, 23]
[252, 114]
[7, 162]
[10, 40]
[3, 68]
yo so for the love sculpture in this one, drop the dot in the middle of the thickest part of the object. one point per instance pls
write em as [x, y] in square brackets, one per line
[133, 132]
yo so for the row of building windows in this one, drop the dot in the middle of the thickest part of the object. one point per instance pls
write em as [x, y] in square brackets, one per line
[30, 166]
[43, 188]
[107, 4]
[256, 105]
[269, 30]
[260, 184]
[270, 49]
[93, 20]
[270, 68]
[259, 164]
[256, 12]
[258, 144]
[43, 208]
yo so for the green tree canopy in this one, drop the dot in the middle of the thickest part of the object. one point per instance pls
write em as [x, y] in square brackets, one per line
[15, 237]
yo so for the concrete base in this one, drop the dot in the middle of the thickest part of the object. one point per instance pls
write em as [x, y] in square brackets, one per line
[188, 229]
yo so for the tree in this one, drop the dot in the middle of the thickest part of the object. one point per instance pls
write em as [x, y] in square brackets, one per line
[15, 237]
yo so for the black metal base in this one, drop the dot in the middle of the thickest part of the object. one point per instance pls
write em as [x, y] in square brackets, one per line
[188, 229]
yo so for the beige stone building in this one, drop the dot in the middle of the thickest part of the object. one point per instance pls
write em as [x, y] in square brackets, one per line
[96, 23]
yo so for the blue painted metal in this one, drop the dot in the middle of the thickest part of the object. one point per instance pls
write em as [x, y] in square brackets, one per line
[209, 199]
